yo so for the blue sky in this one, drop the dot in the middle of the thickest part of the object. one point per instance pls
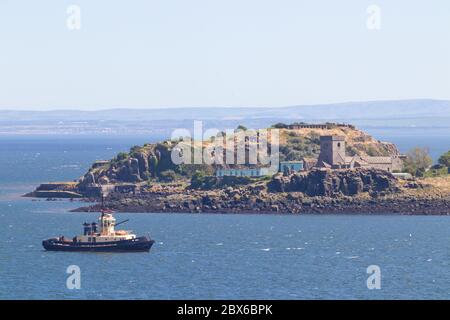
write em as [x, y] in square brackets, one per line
[220, 53]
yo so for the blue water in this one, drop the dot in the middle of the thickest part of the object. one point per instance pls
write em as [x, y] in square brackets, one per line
[436, 140]
[206, 256]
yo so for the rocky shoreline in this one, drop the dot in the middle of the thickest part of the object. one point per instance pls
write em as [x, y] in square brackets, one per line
[403, 207]
[318, 191]
[232, 201]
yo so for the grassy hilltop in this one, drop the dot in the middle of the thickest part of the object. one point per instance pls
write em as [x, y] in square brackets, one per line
[152, 162]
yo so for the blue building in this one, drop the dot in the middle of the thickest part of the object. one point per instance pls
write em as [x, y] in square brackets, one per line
[291, 166]
[243, 172]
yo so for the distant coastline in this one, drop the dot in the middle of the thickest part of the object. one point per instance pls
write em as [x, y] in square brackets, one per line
[157, 122]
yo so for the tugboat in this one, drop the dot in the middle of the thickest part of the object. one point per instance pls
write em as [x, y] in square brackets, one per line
[103, 239]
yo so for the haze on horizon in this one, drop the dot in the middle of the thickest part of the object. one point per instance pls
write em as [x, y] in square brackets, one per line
[200, 53]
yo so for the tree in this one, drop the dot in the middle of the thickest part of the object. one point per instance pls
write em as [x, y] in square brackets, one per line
[280, 125]
[445, 159]
[241, 127]
[418, 161]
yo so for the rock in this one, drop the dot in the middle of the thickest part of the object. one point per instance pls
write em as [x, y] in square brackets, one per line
[143, 165]
[152, 164]
[325, 182]
[229, 190]
[413, 185]
[133, 164]
[103, 180]
[129, 171]
[89, 178]
[206, 200]
[279, 183]
[85, 181]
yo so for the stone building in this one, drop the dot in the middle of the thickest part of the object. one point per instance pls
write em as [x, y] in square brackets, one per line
[333, 155]
[322, 126]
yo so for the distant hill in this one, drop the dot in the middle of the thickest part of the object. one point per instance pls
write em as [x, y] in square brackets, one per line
[403, 113]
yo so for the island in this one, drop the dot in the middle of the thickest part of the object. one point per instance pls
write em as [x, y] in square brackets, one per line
[319, 168]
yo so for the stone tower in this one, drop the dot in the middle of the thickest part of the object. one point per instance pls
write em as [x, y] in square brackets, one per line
[332, 151]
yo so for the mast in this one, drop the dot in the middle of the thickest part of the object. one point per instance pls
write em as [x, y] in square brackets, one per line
[106, 219]
[102, 209]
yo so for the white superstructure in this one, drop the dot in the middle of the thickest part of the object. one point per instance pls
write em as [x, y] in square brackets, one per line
[106, 232]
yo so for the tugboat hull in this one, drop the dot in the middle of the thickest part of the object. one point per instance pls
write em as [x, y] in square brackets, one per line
[140, 244]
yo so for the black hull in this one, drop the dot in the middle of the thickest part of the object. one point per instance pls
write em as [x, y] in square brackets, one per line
[141, 244]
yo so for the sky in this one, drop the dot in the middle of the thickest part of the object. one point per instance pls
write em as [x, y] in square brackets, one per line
[220, 53]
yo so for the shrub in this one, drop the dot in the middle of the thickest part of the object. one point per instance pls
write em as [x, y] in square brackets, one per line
[294, 155]
[418, 161]
[445, 159]
[314, 137]
[201, 181]
[122, 156]
[371, 151]
[351, 150]
[436, 171]
[295, 140]
[188, 170]
[280, 125]
[168, 176]
[293, 134]
[135, 149]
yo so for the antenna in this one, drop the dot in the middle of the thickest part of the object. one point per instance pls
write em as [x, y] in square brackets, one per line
[102, 210]
[122, 222]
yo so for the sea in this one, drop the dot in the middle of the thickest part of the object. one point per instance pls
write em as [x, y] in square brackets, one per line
[211, 256]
